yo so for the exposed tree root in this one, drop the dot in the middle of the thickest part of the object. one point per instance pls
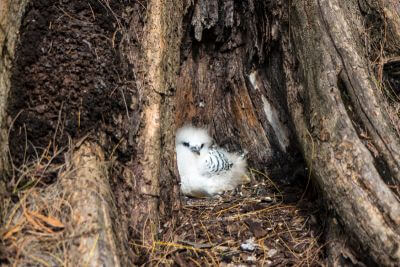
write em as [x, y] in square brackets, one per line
[86, 183]
[344, 168]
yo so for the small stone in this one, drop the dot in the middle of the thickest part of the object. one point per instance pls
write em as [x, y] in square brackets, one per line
[251, 258]
[267, 199]
[248, 245]
[272, 252]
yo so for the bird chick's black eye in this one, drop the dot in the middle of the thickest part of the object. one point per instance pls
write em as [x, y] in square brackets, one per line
[186, 144]
[202, 145]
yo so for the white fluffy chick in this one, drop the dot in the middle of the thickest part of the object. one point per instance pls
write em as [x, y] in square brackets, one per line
[206, 170]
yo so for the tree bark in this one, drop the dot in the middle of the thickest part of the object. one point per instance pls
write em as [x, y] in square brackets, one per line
[245, 66]
[10, 19]
[86, 184]
[154, 54]
[225, 81]
[230, 66]
[331, 64]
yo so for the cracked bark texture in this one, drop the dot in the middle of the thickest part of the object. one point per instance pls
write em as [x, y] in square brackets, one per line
[230, 81]
[86, 183]
[205, 65]
[10, 20]
[153, 50]
[331, 92]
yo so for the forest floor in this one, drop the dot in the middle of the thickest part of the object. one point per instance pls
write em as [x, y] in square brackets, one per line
[69, 82]
[258, 224]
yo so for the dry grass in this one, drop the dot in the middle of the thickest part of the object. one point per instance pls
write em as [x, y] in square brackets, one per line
[36, 227]
[212, 231]
[279, 223]
[34, 216]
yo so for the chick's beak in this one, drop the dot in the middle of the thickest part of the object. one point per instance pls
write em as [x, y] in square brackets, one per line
[195, 149]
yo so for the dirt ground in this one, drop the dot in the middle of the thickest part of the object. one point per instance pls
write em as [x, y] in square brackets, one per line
[70, 81]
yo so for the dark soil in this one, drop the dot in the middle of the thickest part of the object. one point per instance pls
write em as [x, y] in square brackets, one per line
[69, 80]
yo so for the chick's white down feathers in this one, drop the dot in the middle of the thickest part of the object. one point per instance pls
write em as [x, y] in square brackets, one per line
[204, 169]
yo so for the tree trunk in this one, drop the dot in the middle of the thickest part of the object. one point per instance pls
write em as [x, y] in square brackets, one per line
[239, 58]
[225, 81]
[269, 77]
[152, 47]
[10, 19]
[333, 97]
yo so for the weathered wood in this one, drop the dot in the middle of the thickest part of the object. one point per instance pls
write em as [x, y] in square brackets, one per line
[224, 82]
[10, 19]
[156, 61]
[89, 195]
[343, 166]
[362, 89]
[338, 251]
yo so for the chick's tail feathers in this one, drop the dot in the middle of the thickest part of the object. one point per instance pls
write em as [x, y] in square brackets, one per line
[239, 169]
